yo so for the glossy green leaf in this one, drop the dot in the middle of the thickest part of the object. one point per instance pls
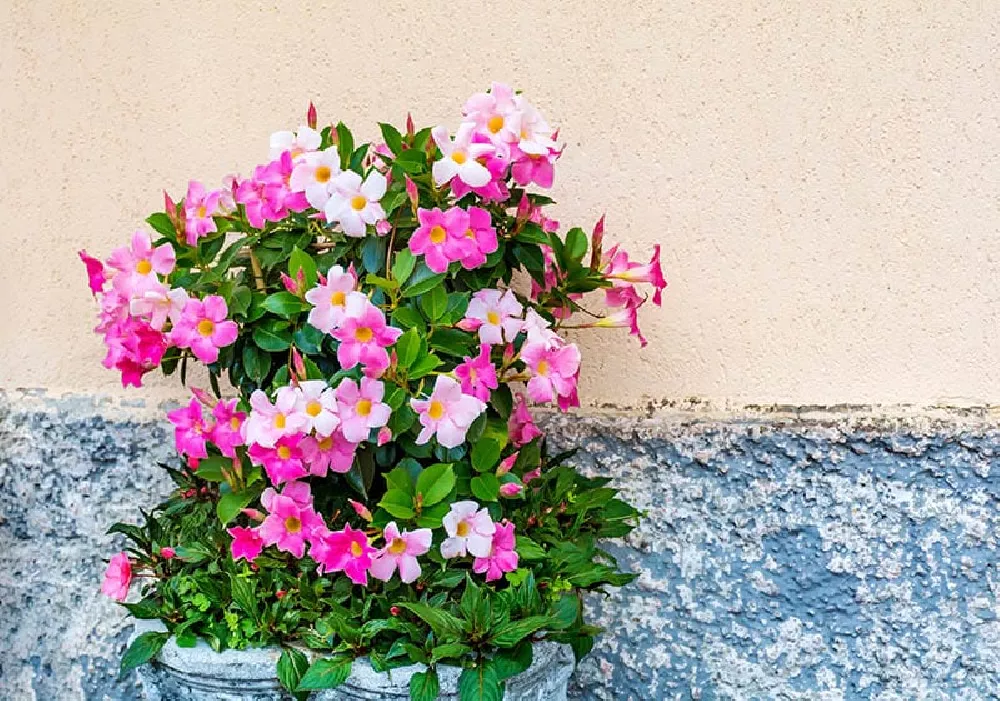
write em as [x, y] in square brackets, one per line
[435, 483]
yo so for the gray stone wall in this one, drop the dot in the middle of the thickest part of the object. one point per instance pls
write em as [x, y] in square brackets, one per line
[786, 554]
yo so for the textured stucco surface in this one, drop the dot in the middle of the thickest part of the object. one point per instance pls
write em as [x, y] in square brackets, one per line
[838, 556]
[823, 175]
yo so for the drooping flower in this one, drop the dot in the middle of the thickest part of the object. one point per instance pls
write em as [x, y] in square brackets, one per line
[483, 236]
[117, 577]
[96, 276]
[314, 174]
[283, 462]
[199, 208]
[478, 375]
[247, 543]
[441, 237]
[361, 408]
[470, 530]
[269, 422]
[344, 551]
[401, 551]
[521, 426]
[227, 433]
[204, 329]
[447, 413]
[138, 264]
[355, 204]
[329, 298]
[295, 143]
[364, 336]
[318, 407]
[190, 430]
[626, 317]
[554, 371]
[334, 453]
[502, 556]
[498, 313]
[289, 524]
[624, 274]
[460, 157]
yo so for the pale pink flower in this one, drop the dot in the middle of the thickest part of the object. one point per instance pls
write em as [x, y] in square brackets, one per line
[355, 205]
[246, 543]
[204, 329]
[190, 430]
[521, 426]
[483, 236]
[299, 492]
[460, 157]
[314, 174]
[447, 413]
[401, 551]
[117, 577]
[295, 143]
[269, 422]
[96, 276]
[283, 462]
[139, 264]
[158, 303]
[441, 237]
[361, 408]
[364, 336]
[495, 114]
[289, 524]
[499, 314]
[227, 433]
[317, 406]
[478, 375]
[470, 530]
[334, 453]
[539, 332]
[199, 208]
[344, 551]
[501, 558]
[329, 298]
[554, 371]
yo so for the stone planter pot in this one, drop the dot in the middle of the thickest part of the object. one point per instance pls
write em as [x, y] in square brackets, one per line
[193, 674]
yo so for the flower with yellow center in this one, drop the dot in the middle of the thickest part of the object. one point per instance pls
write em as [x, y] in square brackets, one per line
[206, 327]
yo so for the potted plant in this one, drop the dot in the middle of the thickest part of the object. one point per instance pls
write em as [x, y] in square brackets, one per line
[370, 509]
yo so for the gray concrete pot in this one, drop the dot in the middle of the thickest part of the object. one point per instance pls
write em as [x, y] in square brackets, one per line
[193, 674]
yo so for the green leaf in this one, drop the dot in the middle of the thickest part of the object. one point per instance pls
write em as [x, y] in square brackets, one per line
[210, 469]
[291, 666]
[424, 686]
[401, 477]
[435, 483]
[480, 684]
[528, 549]
[449, 651]
[393, 139]
[576, 244]
[532, 233]
[510, 663]
[565, 611]
[433, 516]
[272, 340]
[239, 300]
[398, 503]
[452, 342]
[423, 366]
[309, 339]
[407, 348]
[444, 624]
[403, 265]
[285, 304]
[300, 260]
[345, 145]
[244, 594]
[326, 673]
[486, 487]
[434, 302]
[485, 454]
[422, 279]
[373, 253]
[232, 503]
[142, 650]
[146, 609]
[512, 633]
[162, 225]
[407, 318]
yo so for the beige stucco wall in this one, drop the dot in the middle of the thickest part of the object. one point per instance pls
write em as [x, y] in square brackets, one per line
[823, 175]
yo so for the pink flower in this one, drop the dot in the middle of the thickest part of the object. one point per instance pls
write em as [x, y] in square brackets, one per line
[227, 432]
[625, 318]
[334, 453]
[482, 234]
[624, 273]
[441, 237]
[478, 376]
[355, 205]
[269, 422]
[535, 168]
[496, 189]
[447, 413]
[495, 114]
[520, 426]
[299, 492]
[157, 303]
[289, 524]
[190, 430]
[139, 264]
[538, 331]
[168, 553]
[267, 196]
[247, 543]
[502, 556]
[361, 409]
[364, 336]
[470, 530]
[199, 208]
[318, 407]
[95, 272]
[283, 462]
[329, 298]
[401, 550]
[460, 157]
[134, 347]
[204, 329]
[510, 489]
[554, 371]
[344, 551]
[117, 577]
[499, 314]
[314, 174]
[296, 143]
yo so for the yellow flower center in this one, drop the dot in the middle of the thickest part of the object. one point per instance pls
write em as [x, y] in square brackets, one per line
[323, 174]
[338, 298]
[438, 234]
[435, 410]
[398, 546]
[314, 408]
[293, 525]
[143, 267]
[206, 327]
[284, 452]
[543, 367]
[235, 423]
[462, 529]
[325, 443]
[364, 407]
[202, 212]
[492, 318]
[363, 334]
[458, 156]
[358, 203]
[472, 374]
[356, 549]
[279, 421]
[470, 234]
[495, 123]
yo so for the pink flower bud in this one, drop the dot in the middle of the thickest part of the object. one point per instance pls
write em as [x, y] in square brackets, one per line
[311, 116]
[506, 464]
[361, 510]
[253, 514]
[383, 227]
[204, 397]
[168, 553]
[534, 474]
[384, 435]
[289, 284]
[280, 594]
[411, 192]
[192, 463]
[508, 353]
[524, 208]
[298, 365]
[394, 610]
[596, 241]
[410, 129]
[510, 489]
[469, 324]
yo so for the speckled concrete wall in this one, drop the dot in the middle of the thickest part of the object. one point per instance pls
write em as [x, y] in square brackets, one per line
[835, 556]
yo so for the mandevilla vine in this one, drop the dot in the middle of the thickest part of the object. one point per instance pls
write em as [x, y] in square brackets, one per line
[377, 487]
